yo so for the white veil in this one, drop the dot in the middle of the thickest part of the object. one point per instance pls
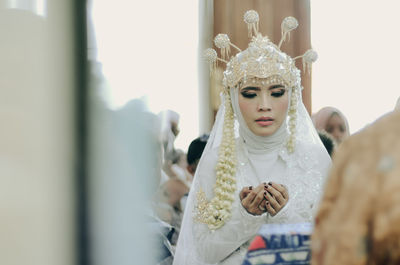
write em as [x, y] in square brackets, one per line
[310, 161]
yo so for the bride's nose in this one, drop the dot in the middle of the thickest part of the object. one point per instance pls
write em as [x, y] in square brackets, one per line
[264, 103]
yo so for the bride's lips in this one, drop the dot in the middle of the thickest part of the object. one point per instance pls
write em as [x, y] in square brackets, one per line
[265, 121]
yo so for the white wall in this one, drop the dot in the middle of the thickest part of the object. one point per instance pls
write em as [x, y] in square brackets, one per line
[149, 49]
[357, 70]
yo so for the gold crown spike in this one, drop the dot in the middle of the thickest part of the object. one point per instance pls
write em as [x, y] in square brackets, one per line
[251, 18]
[288, 24]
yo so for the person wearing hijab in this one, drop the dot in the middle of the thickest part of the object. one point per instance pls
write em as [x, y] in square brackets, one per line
[263, 162]
[359, 218]
[333, 122]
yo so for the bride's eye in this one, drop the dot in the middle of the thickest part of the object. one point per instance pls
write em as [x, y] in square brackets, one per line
[278, 94]
[248, 94]
[277, 90]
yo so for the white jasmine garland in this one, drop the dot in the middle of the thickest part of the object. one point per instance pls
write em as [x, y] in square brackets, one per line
[218, 210]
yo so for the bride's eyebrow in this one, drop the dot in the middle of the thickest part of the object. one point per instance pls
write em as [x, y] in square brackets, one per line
[276, 86]
[251, 88]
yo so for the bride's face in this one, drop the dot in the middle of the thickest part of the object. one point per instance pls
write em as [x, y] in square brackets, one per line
[263, 107]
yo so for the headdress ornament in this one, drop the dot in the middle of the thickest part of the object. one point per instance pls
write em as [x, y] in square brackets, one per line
[262, 58]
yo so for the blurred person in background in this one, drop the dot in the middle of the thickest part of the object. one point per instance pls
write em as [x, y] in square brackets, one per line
[195, 151]
[147, 163]
[194, 154]
[359, 218]
[168, 204]
[332, 121]
[179, 168]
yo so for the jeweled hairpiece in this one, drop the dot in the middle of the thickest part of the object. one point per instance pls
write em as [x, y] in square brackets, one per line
[262, 58]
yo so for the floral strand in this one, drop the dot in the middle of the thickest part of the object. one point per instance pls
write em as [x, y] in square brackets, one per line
[216, 212]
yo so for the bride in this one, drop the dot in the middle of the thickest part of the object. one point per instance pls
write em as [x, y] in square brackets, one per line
[263, 163]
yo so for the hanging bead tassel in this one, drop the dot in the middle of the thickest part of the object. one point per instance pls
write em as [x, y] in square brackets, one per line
[309, 57]
[211, 57]
[251, 18]
[222, 41]
[288, 24]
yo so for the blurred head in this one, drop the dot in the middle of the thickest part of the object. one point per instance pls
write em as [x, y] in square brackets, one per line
[195, 151]
[263, 107]
[332, 121]
[336, 127]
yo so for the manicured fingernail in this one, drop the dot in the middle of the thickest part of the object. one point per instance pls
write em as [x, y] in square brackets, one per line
[250, 187]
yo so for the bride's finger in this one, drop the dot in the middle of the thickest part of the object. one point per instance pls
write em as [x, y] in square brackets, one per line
[258, 199]
[250, 197]
[272, 201]
[270, 209]
[281, 188]
[245, 191]
[276, 194]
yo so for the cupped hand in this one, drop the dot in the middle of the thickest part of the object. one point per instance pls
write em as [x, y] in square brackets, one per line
[253, 199]
[276, 198]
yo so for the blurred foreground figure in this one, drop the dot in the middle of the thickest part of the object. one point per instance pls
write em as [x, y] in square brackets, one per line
[359, 218]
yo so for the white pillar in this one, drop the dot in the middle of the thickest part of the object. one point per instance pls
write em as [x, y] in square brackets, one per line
[206, 24]
[37, 134]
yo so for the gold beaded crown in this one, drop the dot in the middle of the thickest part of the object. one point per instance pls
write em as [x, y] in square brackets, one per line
[262, 59]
